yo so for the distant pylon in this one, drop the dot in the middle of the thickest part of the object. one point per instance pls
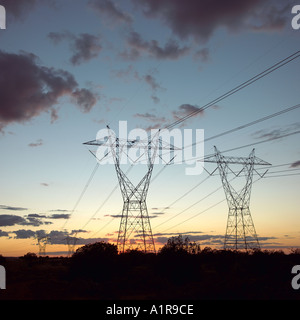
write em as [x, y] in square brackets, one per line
[42, 243]
[71, 243]
[240, 230]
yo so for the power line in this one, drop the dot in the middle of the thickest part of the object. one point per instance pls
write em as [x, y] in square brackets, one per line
[263, 141]
[276, 114]
[82, 194]
[245, 84]
[181, 197]
[283, 175]
[203, 211]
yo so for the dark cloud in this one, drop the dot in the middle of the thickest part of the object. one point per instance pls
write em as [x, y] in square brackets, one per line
[57, 237]
[54, 236]
[3, 207]
[156, 121]
[85, 99]
[38, 143]
[84, 46]
[186, 109]
[158, 213]
[18, 9]
[3, 234]
[151, 81]
[44, 184]
[295, 164]
[7, 220]
[206, 239]
[28, 89]
[200, 19]
[78, 231]
[36, 215]
[137, 47]
[109, 10]
[182, 111]
[24, 234]
[113, 215]
[59, 216]
[203, 55]
[32, 219]
[170, 234]
[276, 133]
[267, 134]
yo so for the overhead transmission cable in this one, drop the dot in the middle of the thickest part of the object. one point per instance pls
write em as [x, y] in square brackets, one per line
[249, 124]
[82, 194]
[245, 84]
[201, 212]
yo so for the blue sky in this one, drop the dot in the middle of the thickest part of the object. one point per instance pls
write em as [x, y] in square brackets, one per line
[69, 68]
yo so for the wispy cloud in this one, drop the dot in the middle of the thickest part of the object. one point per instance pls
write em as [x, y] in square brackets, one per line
[11, 208]
[110, 11]
[277, 132]
[295, 164]
[44, 184]
[84, 47]
[38, 143]
[137, 47]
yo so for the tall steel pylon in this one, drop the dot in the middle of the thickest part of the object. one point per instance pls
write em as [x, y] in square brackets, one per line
[240, 230]
[135, 229]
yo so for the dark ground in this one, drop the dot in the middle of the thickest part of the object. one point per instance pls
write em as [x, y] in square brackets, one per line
[210, 274]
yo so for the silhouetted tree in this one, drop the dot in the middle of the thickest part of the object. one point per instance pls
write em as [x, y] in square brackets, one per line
[2, 259]
[180, 245]
[94, 250]
[29, 256]
[96, 260]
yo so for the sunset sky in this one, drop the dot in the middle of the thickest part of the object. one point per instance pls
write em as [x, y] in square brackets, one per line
[69, 68]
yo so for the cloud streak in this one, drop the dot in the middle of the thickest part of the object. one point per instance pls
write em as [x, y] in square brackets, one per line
[3, 207]
[38, 143]
[137, 47]
[295, 164]
[110, 11]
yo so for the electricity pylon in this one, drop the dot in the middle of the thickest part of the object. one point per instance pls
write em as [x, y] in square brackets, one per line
[135, 229]
[240, 230]
[42, 242]
[71, 243]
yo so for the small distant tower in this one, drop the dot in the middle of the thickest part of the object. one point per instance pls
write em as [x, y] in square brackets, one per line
[43, 240]
[71, 243]
[240, 230]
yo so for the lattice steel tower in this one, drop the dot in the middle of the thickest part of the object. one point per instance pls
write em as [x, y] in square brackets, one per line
[240, 230]
[135, 228]
[42, 240]
[71, 243]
